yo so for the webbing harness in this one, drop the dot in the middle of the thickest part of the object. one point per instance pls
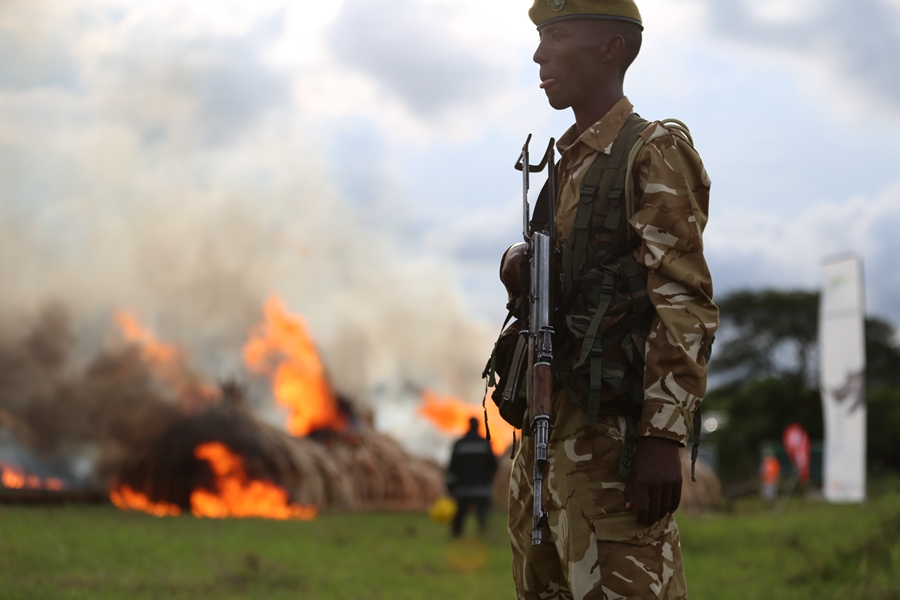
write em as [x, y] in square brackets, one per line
[608, 269]
[605, 189]
[606, 273]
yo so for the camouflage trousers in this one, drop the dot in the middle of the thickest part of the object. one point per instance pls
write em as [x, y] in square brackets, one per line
[592, 548]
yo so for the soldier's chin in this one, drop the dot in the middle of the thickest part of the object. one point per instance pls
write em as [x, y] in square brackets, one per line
[558, 103]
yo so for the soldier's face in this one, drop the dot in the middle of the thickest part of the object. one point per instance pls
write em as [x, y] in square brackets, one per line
[571, 69]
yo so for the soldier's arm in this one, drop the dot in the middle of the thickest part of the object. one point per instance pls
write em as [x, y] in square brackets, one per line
[673, 191]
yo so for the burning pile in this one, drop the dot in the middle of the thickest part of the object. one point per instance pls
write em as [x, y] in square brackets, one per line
[74, 416]
[16, 478]
[224, 462]
[382, 474]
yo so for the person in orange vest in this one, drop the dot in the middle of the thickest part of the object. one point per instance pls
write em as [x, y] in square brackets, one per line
[770, 473]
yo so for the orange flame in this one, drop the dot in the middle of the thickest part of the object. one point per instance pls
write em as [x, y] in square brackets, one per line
[15, 478]
[166, 361]
[126, 498]
[53, 484]
[452, 416]
[237, 496]
[283, 349]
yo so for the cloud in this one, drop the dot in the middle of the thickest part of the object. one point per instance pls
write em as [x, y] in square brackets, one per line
[216, 86]
[856, 41]
[178, 180]
[36, 64]
[409, 49]
[750, 250]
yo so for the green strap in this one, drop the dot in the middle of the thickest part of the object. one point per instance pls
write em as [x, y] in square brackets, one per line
[629, 446]
[596, 385]
[490, 370]
[607, 174]
[579, 237]
[589, 347]
[603, 174]
[695, 450]
[606, 293]
[615, 208]
[637, 284]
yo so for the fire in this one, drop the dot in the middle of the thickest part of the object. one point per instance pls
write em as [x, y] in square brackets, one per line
[126, 498]
[283, 349]
[166, 361]
[237, 496]
[15, 478]
[162, 356]
[452, 416]
[53, 484]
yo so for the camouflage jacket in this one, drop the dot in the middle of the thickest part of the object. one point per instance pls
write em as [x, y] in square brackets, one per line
[672, 200]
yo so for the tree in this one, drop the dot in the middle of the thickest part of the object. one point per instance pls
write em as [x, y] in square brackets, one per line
[767, 361]
[760, 411]
[768, 333]
[882, 355]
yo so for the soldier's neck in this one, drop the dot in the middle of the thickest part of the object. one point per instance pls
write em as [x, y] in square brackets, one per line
[597, 106]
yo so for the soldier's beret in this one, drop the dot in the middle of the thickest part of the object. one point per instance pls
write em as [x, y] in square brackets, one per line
[545, 12]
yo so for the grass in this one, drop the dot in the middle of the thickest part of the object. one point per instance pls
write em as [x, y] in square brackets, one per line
[813, 550]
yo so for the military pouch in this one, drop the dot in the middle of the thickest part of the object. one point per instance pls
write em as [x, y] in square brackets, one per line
[506, 372]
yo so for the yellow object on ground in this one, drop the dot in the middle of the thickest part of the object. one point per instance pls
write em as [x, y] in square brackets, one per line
[443, 510]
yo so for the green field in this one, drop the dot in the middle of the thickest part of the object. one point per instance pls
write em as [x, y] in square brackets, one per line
[812, 550]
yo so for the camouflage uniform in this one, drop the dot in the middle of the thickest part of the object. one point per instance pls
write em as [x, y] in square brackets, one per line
[594, 548]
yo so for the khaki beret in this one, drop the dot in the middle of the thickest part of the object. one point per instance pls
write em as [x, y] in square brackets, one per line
[545, 12]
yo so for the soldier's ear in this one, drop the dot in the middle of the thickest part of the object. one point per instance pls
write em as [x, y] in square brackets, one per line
[612, 47]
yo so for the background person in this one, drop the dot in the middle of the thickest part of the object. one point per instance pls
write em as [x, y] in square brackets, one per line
[470, 477]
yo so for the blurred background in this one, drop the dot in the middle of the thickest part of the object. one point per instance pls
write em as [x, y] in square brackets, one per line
[169, 168]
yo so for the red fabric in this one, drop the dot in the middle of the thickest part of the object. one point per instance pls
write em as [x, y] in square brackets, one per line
[796, 442]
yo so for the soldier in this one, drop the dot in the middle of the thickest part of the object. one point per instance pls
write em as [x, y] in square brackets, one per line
[470, 477]
[614, 474]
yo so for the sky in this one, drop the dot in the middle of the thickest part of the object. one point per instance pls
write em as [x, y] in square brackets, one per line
[358, 153]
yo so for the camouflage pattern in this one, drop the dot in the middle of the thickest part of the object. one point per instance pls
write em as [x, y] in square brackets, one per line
[593, 548]
[672, 190]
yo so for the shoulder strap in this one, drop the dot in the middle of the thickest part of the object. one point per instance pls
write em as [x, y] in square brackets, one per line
[540, 218]
[672, 125]
[607, 172]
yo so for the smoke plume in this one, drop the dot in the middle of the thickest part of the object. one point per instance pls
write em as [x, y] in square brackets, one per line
[169, 172]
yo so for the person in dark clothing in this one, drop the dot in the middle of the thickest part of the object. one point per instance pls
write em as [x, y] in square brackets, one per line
[470, 477]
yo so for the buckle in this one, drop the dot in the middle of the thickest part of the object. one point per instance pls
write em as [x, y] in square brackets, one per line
[615, 197]
[587, 193]
[608, 285]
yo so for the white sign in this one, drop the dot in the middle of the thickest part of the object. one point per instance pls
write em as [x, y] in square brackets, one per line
[842, 367]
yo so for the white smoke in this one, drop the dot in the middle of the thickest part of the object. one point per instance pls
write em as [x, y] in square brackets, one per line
[156, 160]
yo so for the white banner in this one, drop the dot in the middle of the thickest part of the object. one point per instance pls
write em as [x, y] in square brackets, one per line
[842, 367]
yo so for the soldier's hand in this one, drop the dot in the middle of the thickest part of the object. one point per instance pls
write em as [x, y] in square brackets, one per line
[654, 489]
[511, 268]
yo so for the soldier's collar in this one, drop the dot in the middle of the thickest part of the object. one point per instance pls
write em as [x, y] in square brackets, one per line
[601, 135]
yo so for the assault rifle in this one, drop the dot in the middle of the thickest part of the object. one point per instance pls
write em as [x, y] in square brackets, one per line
[539, 249]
